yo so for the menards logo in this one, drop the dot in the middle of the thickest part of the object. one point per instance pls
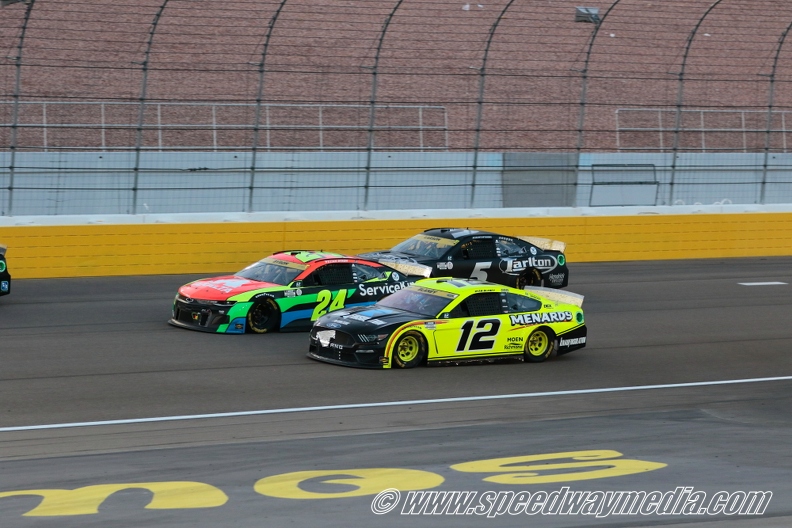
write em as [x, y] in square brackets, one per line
[535, 318]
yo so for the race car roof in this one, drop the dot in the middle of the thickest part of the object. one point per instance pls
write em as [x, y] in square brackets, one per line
[455, 232]
[303, 256]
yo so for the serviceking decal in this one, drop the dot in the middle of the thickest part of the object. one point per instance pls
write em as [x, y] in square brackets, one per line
[367, 291]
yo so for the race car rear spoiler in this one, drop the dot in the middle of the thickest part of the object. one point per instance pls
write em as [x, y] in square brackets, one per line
[407, 267]
[545, 243]
[554, 295]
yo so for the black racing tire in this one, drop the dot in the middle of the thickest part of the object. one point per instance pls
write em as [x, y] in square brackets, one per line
[263, 317]
[409, 350]
[540, 345]
[530, 277]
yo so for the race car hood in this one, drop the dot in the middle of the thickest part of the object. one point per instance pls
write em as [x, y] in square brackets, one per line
[221, 288]
[366, 319]
[402, 262]
[391, 255]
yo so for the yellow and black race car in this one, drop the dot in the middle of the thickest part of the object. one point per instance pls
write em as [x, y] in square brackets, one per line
[5, 276]
[450, 320]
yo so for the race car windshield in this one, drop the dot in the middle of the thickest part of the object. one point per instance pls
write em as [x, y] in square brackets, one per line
[423, 302]
[425, 246]
[271, 271]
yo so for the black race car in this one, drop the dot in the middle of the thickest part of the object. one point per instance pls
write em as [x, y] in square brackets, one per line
[5, 277]
[465, 253]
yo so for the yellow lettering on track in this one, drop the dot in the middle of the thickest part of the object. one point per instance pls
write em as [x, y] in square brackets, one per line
[536, 469]
[86, 500]
[365, 481]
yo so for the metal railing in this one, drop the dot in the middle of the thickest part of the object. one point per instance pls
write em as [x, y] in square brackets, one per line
[111, 126]
[701, 130]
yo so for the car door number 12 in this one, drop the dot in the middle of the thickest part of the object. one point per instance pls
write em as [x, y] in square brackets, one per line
[482, 338]
[323, 299]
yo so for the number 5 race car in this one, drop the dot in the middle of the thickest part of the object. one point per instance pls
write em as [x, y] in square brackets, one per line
[287, 291]
[465, 253]
[5, 276]
[451, 320]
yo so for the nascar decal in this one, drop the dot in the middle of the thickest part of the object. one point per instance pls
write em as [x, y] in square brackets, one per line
[535, 318]
[367, 291]
[545, 264]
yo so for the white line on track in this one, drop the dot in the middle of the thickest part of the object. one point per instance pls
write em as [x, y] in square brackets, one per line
[761, 283]
[391, 404]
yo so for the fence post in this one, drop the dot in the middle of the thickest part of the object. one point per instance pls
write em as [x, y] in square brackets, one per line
[680, 98]
[15, 117]
[259, 97]
[770, 104]
[480, 102]
[142, 108]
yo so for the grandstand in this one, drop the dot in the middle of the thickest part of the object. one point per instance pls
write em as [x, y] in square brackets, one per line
[407, 77]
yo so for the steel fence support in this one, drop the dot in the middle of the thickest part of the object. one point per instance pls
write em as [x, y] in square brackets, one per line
[15, 117]
[142, 106]
[259, 98]
[680, 97]
[373, 102]
[584, 91]
[770, 104]
[480, 102]
[584, 83]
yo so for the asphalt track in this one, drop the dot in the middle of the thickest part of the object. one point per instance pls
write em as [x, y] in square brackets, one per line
[86, 351]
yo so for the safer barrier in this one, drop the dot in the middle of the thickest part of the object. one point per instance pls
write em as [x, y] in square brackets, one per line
[151, 249]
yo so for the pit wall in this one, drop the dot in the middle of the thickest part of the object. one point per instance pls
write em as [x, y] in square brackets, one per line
[138, 245]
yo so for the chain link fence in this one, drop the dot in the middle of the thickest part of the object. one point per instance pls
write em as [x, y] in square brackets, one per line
[183, 106]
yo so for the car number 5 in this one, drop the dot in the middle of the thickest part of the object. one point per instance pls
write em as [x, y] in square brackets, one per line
[478, 271]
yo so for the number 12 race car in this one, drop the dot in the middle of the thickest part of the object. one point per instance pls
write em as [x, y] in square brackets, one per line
[451, 320]
[465, 253]
[287, 291]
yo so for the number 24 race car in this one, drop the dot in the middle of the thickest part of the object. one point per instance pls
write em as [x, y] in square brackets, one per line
[451, 320]
[287, 291]
[466, 253]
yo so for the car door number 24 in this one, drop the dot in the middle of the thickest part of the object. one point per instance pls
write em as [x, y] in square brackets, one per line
[480, 339]
[323, 298]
